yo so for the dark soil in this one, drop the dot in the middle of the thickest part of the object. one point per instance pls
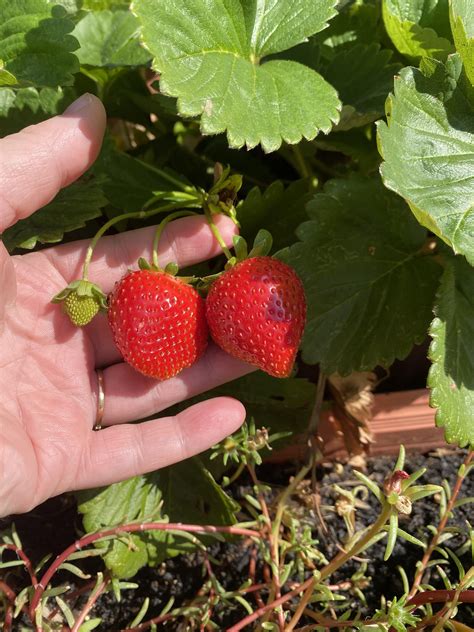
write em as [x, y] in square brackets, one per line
[51, 527]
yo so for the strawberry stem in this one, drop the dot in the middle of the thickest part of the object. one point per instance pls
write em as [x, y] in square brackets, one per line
[216, 233]
[119, 218]
[159, 232]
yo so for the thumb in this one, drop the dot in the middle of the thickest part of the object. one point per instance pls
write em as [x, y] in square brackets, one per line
[42, 159]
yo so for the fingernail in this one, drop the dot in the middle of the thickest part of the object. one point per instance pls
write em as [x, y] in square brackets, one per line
[79, 104]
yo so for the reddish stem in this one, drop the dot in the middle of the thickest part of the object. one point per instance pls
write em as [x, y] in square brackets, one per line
[162, 619]
[11, 596]
[271, 606]
[8, 621]
[71, 596]
[441, 596]
[9, 592]
[90, 604]
[252, 572]
[147, 624]
[210, 574]
[117, 531]
[442, 525]
[273, 543]
[26, 561]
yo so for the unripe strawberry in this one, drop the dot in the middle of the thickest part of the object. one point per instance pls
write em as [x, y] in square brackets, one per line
[81, 301]
[256, 312]
[80, 309]
[158, 323]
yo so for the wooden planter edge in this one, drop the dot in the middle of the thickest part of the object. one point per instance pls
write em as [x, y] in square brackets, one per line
[404, 417]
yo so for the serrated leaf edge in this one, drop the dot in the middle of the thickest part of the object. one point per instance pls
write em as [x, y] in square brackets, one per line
[441, 419]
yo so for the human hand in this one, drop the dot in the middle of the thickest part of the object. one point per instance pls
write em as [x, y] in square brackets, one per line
[48, 380]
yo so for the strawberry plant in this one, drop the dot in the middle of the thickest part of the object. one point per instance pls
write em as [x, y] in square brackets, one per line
[339, 138]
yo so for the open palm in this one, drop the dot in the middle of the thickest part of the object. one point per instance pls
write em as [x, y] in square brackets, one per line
[48, 380]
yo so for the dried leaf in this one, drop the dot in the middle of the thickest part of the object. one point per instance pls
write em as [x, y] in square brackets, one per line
[354, 399]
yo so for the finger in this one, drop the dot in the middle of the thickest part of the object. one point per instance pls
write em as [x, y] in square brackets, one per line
[41, 159]
[130, 395]
[186, 241]
[115, 454]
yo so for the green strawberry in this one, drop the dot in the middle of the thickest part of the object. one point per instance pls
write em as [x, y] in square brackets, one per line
[81, 300]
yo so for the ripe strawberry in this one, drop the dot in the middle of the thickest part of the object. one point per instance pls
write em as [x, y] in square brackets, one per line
[158, 323]
[256, 312]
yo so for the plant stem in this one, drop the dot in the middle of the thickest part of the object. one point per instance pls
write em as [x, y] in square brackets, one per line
[342, 557]
[300, 609]
[312, 441]
[318, 402]
[216, 233]
[26, 561]
[274, 551]
[441, 596]
[302, 167]
[275, 533]
[167, 176]
[8, 592]
[235, 475]
[130, 528]
[119, 218]
[252, 570]
[258, 613]
[313, 426]
[338, 561]
[90, 604]
[159, 232]
[442, 525]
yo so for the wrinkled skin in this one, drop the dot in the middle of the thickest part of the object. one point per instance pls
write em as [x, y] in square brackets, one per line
[48, 382]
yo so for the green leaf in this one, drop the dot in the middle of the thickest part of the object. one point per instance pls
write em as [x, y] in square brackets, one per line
[131, 182]
[71, 6]
[462, 25]
[6, 78]
[277, 209]
[451, 376]
[419, 28]
[363, 76]
[392, 535]
[428, 148]
[70, 209]
[27, 106]
[358, 22]
[184, 492]
[357, 143]
[102, 5]
[110, 38]
[138, 499]
[35, 43]
[210, 53]
[90, 625]
[369, 289]
[279, 405]
[191, 495]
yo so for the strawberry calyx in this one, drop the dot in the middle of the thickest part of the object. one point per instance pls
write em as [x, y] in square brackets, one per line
[221, 197]
[82, 301]
[171, 268]
[261, 248]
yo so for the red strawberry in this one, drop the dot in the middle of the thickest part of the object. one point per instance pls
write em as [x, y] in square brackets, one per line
[256, 312]
[158, 323]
